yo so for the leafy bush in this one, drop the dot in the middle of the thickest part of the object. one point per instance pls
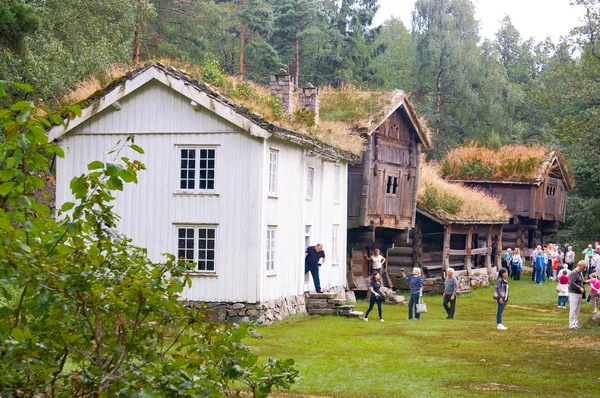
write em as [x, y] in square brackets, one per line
[85, 313]
[304, 117]
[212, 73]
[432, 201]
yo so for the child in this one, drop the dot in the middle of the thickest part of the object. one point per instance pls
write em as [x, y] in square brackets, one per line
[594, 289]
[563, 288]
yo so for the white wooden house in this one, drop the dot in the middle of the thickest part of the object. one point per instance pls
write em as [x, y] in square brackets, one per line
[231, 193]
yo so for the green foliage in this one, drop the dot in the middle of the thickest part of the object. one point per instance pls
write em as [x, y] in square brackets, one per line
[351, 107]
[304, 117]
[17, 20]
[435, 203]
[275, 104]
[212, 73]
[84, 311]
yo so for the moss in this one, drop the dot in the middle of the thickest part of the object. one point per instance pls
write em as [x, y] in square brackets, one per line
[351, 107]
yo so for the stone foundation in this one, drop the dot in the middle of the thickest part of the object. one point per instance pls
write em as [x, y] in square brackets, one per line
[266, 312]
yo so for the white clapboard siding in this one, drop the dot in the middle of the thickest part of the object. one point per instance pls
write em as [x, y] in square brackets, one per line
[163, 121]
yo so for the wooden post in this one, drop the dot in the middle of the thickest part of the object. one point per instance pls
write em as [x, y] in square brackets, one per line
[445, 256]
[418, 246]
[416, 184]
[499, 249]
[366, 180]
[488, 254]
[469, 246]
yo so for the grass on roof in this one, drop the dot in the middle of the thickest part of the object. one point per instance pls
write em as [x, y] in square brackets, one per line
[455, 201]
[350, 105]
[256, 98]
[508, 163]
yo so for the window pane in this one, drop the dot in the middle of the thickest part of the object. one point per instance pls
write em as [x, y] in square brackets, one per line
[181, 232]
[210, 233]
[202, 233]
[202, 184]
[190, 233]
[210, 185]
[210, 265]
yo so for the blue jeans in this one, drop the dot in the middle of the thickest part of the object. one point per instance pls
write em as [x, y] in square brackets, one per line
[371, 303]
[562, 301]
[412, 304]
[500, 311]
[314, 271]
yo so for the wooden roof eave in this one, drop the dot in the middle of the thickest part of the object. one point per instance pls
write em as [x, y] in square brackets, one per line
[410, 113]
[448, 221]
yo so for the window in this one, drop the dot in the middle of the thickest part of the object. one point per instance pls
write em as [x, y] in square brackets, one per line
[336, 184]
[197, 169]
[306, 236]
[273, 165]
[271, 249]
[196, 245]
[310, 182]
[392, 185]
[334, 244]
[551, 190]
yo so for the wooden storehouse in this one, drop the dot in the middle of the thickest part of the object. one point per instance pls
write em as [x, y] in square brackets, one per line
[532, 183]
[382, 186]
[455, 227]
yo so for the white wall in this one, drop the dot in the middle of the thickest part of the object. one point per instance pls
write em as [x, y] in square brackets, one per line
[162, 121]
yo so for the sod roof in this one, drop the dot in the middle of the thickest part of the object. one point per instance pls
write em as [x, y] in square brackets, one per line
[456, 203]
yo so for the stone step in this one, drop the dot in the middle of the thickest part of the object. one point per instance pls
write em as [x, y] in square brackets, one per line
[337, 301]
[322, 295]
[322, 311]
[344, 307]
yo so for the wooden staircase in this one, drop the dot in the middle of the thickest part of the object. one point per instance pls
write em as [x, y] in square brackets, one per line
[329, 304]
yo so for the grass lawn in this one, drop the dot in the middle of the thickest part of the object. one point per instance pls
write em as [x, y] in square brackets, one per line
[538, 356]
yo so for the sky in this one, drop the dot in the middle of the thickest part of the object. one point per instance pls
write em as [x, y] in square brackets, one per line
[532, 18]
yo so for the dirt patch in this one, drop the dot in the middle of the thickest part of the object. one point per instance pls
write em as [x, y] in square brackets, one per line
[490, 387]
[529, 308]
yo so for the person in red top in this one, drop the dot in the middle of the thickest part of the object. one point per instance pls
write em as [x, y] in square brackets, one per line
[594, 289]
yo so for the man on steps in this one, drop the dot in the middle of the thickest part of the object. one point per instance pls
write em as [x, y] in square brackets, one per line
[315, 256]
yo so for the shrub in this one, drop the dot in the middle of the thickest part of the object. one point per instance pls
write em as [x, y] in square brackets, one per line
[85, 312]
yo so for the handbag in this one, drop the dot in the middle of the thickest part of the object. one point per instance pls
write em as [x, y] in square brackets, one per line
[495, 295]
[421, 306]
[520, 268]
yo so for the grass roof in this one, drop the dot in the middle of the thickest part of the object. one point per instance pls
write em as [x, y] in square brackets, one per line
[517, 163]
[454, 201]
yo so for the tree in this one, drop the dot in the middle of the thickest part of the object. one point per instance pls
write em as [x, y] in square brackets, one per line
[85, 312]
[393, 64]
[17, 20]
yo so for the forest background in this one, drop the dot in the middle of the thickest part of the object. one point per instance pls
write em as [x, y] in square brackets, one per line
[502, 91]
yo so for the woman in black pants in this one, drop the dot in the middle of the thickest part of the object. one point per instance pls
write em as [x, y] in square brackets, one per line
[376, 296]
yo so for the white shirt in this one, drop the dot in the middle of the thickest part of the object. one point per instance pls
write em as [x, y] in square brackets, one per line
[377, 260]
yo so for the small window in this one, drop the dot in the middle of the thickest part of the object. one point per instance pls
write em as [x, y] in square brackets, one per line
[551, 190]
[310, 182]
[197, 169]
[392, 185]
[196, 245]
[273, 167]
[271, 249]
[334, 244]
[336, 183]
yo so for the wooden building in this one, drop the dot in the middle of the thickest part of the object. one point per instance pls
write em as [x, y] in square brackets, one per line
[455, 228]
[535, 194]
[382, 186]
[235, 195]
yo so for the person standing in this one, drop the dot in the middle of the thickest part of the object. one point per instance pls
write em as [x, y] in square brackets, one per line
[538, 268]
[416, 291]
[376, 296]
[315, 256]
[501, 294]
[506, 260]
[594, 290]
[570, 258]
[533, 260]
[563, 288]
[450, 292]
[377, 261]
[588, 255]
[516, 265]
[576, 291]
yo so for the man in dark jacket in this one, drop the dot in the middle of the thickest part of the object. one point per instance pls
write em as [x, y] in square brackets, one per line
[576, 291]
[450, 292]
[315, 256]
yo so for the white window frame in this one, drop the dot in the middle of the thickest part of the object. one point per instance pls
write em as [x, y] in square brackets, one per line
[197, 190]
[310, 183]
[195, 247]
[271, 254]
[335, 229]
[273, 171]
[337, 172]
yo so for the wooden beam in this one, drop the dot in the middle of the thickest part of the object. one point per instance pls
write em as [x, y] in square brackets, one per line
[488, 254]
[366, 181]
[532, 194]
[417, 162]
[445, 251]
[469, 246]
[499, 249]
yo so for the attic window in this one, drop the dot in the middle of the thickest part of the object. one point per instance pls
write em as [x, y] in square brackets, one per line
[551, 190]
[392, 185]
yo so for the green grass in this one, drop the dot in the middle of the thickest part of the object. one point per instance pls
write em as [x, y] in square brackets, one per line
[435, 357]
